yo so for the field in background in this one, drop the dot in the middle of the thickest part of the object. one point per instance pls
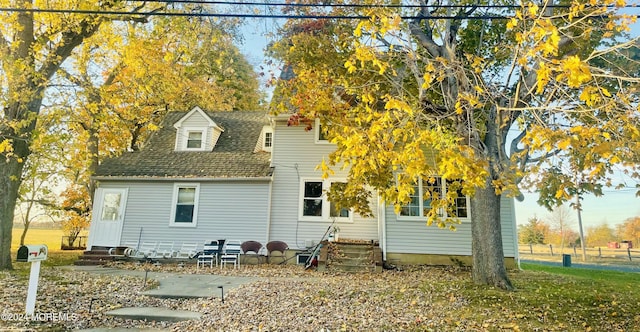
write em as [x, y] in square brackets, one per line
[52, 237]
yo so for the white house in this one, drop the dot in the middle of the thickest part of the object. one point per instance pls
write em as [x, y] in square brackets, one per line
[246, 176]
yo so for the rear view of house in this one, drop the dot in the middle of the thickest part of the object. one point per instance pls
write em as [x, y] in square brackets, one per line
[247, 176]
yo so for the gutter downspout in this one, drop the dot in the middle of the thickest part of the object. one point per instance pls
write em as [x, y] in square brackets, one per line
[268, 236]
[514, 224]
[382, 227]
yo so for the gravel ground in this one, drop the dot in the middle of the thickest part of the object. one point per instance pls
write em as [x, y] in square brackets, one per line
[286, 298]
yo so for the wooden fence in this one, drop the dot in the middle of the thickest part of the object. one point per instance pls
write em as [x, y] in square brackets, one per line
[597, 253]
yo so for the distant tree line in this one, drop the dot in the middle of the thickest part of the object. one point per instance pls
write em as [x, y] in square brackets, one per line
[560, 232]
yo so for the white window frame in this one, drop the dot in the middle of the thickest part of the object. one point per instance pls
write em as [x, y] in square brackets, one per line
[120, 211]
[174, 205]
[316, 134]
[326, 205]
[185, 139]
[264, 140]
[442, 213]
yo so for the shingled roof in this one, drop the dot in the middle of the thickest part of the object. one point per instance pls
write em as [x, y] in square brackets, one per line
[232, 157]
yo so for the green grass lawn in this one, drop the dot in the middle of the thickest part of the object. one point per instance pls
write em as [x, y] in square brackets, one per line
[552, 298]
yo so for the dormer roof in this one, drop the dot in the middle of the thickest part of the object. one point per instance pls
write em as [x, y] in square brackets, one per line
[232, 157]
[190, 114]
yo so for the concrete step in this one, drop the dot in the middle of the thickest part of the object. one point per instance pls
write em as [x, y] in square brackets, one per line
[154, 314]
[352, 267]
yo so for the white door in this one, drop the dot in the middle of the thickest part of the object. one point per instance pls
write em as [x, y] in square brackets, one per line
[108, 217]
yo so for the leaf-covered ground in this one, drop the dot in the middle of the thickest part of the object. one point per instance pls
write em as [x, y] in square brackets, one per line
[288, 298]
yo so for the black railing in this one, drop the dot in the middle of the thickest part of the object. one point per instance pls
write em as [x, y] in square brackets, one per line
[79, 243]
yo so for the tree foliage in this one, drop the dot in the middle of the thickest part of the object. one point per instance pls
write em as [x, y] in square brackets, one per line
[629, 231]
[105, 77]
[412, 98]
[534, 232]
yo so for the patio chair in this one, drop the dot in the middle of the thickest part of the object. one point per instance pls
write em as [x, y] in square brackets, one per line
[252, 249]
[209, 255]
[231, 253]
[147, 250]
[187, 251]
[277, 249]
[165, 250]
[130, 249]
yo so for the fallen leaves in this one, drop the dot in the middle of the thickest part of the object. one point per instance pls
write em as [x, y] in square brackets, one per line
[287, 298]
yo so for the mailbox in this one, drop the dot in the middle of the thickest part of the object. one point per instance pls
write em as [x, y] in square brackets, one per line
[32, 253]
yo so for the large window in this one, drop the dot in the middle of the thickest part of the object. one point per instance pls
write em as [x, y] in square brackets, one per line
[427, 190]
[315, 205]
[185, 205]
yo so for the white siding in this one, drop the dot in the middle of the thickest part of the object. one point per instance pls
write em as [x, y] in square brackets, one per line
[416, 237]
[197, 121]
[295, 157]
[227, 210]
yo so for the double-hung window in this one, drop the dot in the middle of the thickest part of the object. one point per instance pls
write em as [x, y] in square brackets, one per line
[184, 210]
[314, 205]
[194, 140]
[425, 191]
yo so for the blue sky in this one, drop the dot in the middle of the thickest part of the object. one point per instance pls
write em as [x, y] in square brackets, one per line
[612, 208]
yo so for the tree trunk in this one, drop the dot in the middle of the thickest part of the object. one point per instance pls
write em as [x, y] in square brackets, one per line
[488, 254]
[486, 228]
[10, 179]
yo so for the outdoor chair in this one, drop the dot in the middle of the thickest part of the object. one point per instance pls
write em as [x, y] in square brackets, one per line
[231, 253]
[187, 251]
[277, 249]
[165, 250]
[209, 255]
[130, 249]
[146, 250]
[252, 249]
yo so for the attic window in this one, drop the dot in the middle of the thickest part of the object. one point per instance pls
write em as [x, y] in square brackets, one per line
[194, 140]
[268, 139]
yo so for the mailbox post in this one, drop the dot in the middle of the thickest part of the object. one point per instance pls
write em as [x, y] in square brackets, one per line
[34, 254]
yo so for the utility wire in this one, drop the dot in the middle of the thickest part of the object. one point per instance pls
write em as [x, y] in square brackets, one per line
[213, 2]
[240, 15]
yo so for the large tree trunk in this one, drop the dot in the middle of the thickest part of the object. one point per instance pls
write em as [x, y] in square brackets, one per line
[486, 230]
[10, 180]
[488, 254]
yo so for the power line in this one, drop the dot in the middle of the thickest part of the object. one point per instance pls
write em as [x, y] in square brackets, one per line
[244, 3]
[241, 15]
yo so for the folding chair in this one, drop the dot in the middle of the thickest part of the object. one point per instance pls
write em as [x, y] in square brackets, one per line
[131, 247]
[187, 251]
[165, 250]
[231, 253]
[146, 250]
[209, 255]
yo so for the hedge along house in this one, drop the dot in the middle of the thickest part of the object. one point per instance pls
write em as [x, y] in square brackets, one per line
[242, 175]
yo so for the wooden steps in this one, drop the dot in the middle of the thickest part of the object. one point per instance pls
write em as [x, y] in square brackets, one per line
[95, 256]
[350, 256]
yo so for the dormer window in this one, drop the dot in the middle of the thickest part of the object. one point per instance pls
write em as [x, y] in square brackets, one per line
[196, 131]
[194, 140]
[265, 141]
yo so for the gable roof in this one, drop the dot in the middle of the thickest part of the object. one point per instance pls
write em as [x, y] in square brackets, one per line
[197, 109]
[233, 156]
